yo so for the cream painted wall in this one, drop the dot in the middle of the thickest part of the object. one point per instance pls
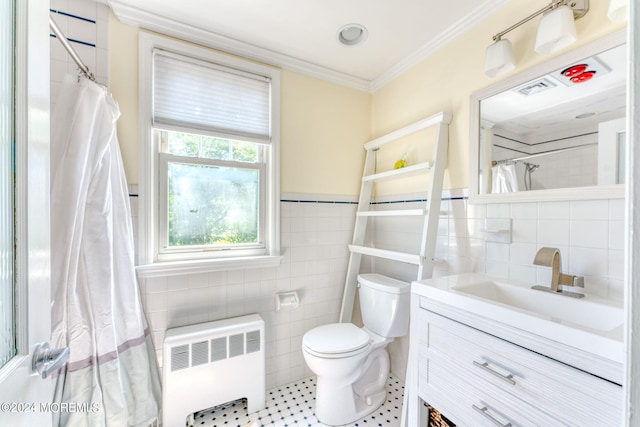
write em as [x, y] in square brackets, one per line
[324, 128]
[123, 84]
[323, 125]
[445, 80]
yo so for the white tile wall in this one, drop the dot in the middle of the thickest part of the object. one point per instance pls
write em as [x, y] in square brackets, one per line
[314, 238]
[589, 234]
[87, 23]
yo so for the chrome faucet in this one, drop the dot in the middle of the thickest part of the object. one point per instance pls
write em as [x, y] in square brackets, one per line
[550, 257]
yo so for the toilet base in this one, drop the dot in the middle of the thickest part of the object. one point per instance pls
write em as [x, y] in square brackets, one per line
[340, 403]
[352, 407]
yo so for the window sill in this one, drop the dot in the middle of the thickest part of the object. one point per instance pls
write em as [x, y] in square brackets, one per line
[175, 268]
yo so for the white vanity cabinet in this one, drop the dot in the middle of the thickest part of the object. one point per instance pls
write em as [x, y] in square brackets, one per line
[475, 378]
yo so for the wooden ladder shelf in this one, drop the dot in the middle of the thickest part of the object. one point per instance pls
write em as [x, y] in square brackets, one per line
[431, 212]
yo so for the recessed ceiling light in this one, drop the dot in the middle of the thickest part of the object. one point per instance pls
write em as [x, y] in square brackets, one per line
[352, 34]
[585, 115]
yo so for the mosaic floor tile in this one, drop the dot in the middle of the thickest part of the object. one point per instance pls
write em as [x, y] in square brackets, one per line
[292, 405]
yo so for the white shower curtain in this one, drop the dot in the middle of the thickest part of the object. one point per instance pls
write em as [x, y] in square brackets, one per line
[504, 179]
[96, 307]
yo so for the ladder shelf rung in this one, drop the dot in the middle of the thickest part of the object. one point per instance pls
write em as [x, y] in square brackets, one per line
[399, 173]
[399, 212]
[383, 253]
[408, 130]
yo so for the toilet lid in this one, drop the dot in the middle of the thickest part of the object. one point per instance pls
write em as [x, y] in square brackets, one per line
[335, 338]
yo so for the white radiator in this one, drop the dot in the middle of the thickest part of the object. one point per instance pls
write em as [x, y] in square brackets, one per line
[212, 363]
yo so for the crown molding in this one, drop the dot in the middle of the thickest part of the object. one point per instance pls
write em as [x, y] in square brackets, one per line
[162, 25]
[476, 15]
[157, 23]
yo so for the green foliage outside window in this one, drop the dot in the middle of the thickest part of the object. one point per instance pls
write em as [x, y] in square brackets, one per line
[208, 147]
[207, 204]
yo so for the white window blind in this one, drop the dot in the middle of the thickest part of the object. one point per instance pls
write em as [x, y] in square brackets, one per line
[192, 94]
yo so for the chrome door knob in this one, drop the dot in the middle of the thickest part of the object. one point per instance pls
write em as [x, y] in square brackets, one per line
[47, 360]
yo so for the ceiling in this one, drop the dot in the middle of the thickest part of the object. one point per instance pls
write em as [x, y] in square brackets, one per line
[302, 34]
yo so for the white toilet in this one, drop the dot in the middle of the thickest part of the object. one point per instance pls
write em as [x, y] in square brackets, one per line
[351, 363]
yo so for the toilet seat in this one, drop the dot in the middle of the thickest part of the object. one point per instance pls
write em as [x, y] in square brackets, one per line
[336, 340]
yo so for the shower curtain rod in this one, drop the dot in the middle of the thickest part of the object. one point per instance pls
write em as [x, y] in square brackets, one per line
[67, 46]
[546, 153]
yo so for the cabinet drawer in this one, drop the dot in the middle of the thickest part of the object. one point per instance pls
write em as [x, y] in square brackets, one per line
[569, 395]
[472, 401]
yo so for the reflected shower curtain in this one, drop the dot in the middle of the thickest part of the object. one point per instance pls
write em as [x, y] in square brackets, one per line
[504, 178]
[96, 307]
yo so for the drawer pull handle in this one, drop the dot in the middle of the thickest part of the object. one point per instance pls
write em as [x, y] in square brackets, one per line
[485, 413]
[485, 366]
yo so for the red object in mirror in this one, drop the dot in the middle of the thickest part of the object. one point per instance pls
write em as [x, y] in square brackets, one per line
[574, 70]
[583, 77]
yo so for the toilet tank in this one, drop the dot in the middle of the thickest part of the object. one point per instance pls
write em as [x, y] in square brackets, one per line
[385, 304]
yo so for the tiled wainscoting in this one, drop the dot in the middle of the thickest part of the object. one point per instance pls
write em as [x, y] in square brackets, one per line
[314, 237]
[589, 234]
[315, 233]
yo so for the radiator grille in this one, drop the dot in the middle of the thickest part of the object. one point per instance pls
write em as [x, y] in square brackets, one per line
[179, 357]
[221, 348]
[253, 341]
[236, 345]
[218, 349]
[199, 353]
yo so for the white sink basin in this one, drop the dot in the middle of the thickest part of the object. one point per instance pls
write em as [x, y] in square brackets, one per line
[581, 312]
[591, 323]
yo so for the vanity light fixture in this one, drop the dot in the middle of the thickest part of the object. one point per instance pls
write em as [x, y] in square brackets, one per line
[499, 58]
[555, 31]
[618, 10]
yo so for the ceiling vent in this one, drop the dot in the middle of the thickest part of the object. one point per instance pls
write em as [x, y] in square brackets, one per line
[536, 86]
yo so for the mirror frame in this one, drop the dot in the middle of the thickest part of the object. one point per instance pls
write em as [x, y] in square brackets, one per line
[607, 42]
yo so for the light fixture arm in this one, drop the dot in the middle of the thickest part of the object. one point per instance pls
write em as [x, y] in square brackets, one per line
[579, 7]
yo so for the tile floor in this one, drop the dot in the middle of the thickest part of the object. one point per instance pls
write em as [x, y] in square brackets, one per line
[292, 405]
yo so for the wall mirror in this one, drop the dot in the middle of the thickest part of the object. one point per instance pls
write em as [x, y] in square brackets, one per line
[555, 131]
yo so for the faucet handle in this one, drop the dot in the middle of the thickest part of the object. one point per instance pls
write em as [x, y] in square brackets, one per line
[578, 281]
[571, 280]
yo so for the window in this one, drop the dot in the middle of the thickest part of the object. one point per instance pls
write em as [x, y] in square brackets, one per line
[209, 151]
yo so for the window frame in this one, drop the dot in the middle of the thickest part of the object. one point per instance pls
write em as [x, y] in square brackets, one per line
[150, 261]
[172, 253]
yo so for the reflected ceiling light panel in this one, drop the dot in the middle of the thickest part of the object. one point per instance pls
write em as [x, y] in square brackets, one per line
[352, 34]
[618, 10]
[556, 30]
[499, 58]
